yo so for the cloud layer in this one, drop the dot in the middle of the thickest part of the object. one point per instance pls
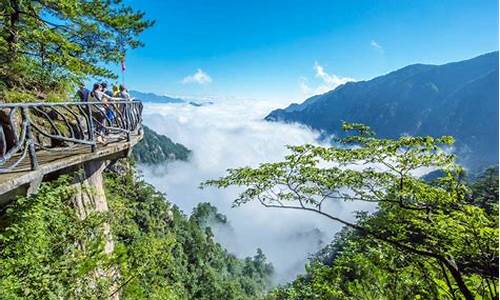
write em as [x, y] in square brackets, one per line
[199, 77]
[228, 135]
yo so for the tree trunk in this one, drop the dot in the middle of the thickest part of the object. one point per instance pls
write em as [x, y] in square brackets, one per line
[448, 283]
[455, 272]
[13, 37]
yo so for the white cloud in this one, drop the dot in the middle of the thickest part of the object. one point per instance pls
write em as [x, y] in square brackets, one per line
[231, 134]
[199, 77]
[376, 46]
[328, 82]
[305, 89]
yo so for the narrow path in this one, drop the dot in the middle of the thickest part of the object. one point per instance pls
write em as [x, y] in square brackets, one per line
[54, 161]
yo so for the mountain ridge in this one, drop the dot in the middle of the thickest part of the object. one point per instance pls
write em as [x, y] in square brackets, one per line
[457, 98]
[154, 98]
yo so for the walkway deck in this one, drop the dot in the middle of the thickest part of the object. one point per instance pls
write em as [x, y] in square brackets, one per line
[30, 131]
[54, 161]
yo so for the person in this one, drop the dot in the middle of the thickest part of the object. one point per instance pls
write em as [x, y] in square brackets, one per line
[116, 91]
[124, 93]
[106, 95]
[100, 115]
[83, 93]
[104, 88]
[95, 95]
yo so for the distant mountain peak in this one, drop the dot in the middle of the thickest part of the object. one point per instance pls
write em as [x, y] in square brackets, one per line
[457, 98]
[154, 98]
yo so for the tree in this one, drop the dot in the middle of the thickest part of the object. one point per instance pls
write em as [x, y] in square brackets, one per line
[432, 220]
[485, 191]
[46, 46]
[41, 256]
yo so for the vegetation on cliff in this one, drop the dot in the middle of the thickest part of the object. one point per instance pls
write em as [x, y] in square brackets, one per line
[156, 148]
[356, 267]
[47, 252]
[423, 239]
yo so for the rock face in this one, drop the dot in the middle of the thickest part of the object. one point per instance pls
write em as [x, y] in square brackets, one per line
[90, 198]
[458, 99]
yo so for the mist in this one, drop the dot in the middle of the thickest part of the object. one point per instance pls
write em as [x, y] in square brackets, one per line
[233, 134]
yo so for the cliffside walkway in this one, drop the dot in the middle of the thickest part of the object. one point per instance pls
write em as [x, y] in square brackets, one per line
[39, 140]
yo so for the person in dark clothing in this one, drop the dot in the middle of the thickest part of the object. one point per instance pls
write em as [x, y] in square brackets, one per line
[96, 94]
[83, 93]
[105, 90]
[107, 95]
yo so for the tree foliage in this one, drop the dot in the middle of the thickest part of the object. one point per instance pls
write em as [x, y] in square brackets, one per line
[47, 252]
[165, 254]
[429, 225]
[41, 253]
[47, 46]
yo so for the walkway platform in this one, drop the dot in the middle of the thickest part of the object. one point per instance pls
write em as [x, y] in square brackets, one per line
[54, 161]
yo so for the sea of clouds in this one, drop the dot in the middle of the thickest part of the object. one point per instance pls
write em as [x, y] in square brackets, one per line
[231, 134]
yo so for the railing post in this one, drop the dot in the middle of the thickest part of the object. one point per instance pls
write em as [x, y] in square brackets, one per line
[127, 120]
[91, 127]
[30, 143]
[140, 107]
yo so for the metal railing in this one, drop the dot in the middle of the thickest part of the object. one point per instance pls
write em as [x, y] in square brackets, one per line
[27, 128]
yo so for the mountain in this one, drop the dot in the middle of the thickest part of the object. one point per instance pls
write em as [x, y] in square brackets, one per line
[458, 99]
[156, 148]
[150, 97]
[200, 104]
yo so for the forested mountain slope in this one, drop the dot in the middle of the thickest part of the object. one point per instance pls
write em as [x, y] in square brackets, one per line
[160, 253]
[458, 99]
[156, 148]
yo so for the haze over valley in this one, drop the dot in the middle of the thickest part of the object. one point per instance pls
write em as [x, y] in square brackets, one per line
[226, 135]
[232, 133]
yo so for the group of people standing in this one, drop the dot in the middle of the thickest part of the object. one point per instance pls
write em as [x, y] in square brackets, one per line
[101, 93]
[106, 113]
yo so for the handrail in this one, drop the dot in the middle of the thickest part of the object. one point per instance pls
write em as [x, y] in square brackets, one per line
[27, 128]
[31, 104]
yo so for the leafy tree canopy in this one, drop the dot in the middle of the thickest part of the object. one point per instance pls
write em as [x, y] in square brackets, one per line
[47, 46]
[433, 221]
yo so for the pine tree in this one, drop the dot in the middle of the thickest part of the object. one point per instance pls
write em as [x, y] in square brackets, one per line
[47, 46]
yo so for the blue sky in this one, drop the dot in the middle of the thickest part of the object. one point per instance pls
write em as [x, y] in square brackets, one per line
[288, 50]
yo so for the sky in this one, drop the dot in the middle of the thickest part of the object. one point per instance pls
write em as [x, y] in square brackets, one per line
[289, 50]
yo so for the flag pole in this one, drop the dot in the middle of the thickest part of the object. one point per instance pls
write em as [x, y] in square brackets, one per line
[123, 71]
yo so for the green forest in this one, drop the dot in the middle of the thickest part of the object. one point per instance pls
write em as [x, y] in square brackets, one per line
[155, 148]
[160, 253]
[431, 237]
[354, 266]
